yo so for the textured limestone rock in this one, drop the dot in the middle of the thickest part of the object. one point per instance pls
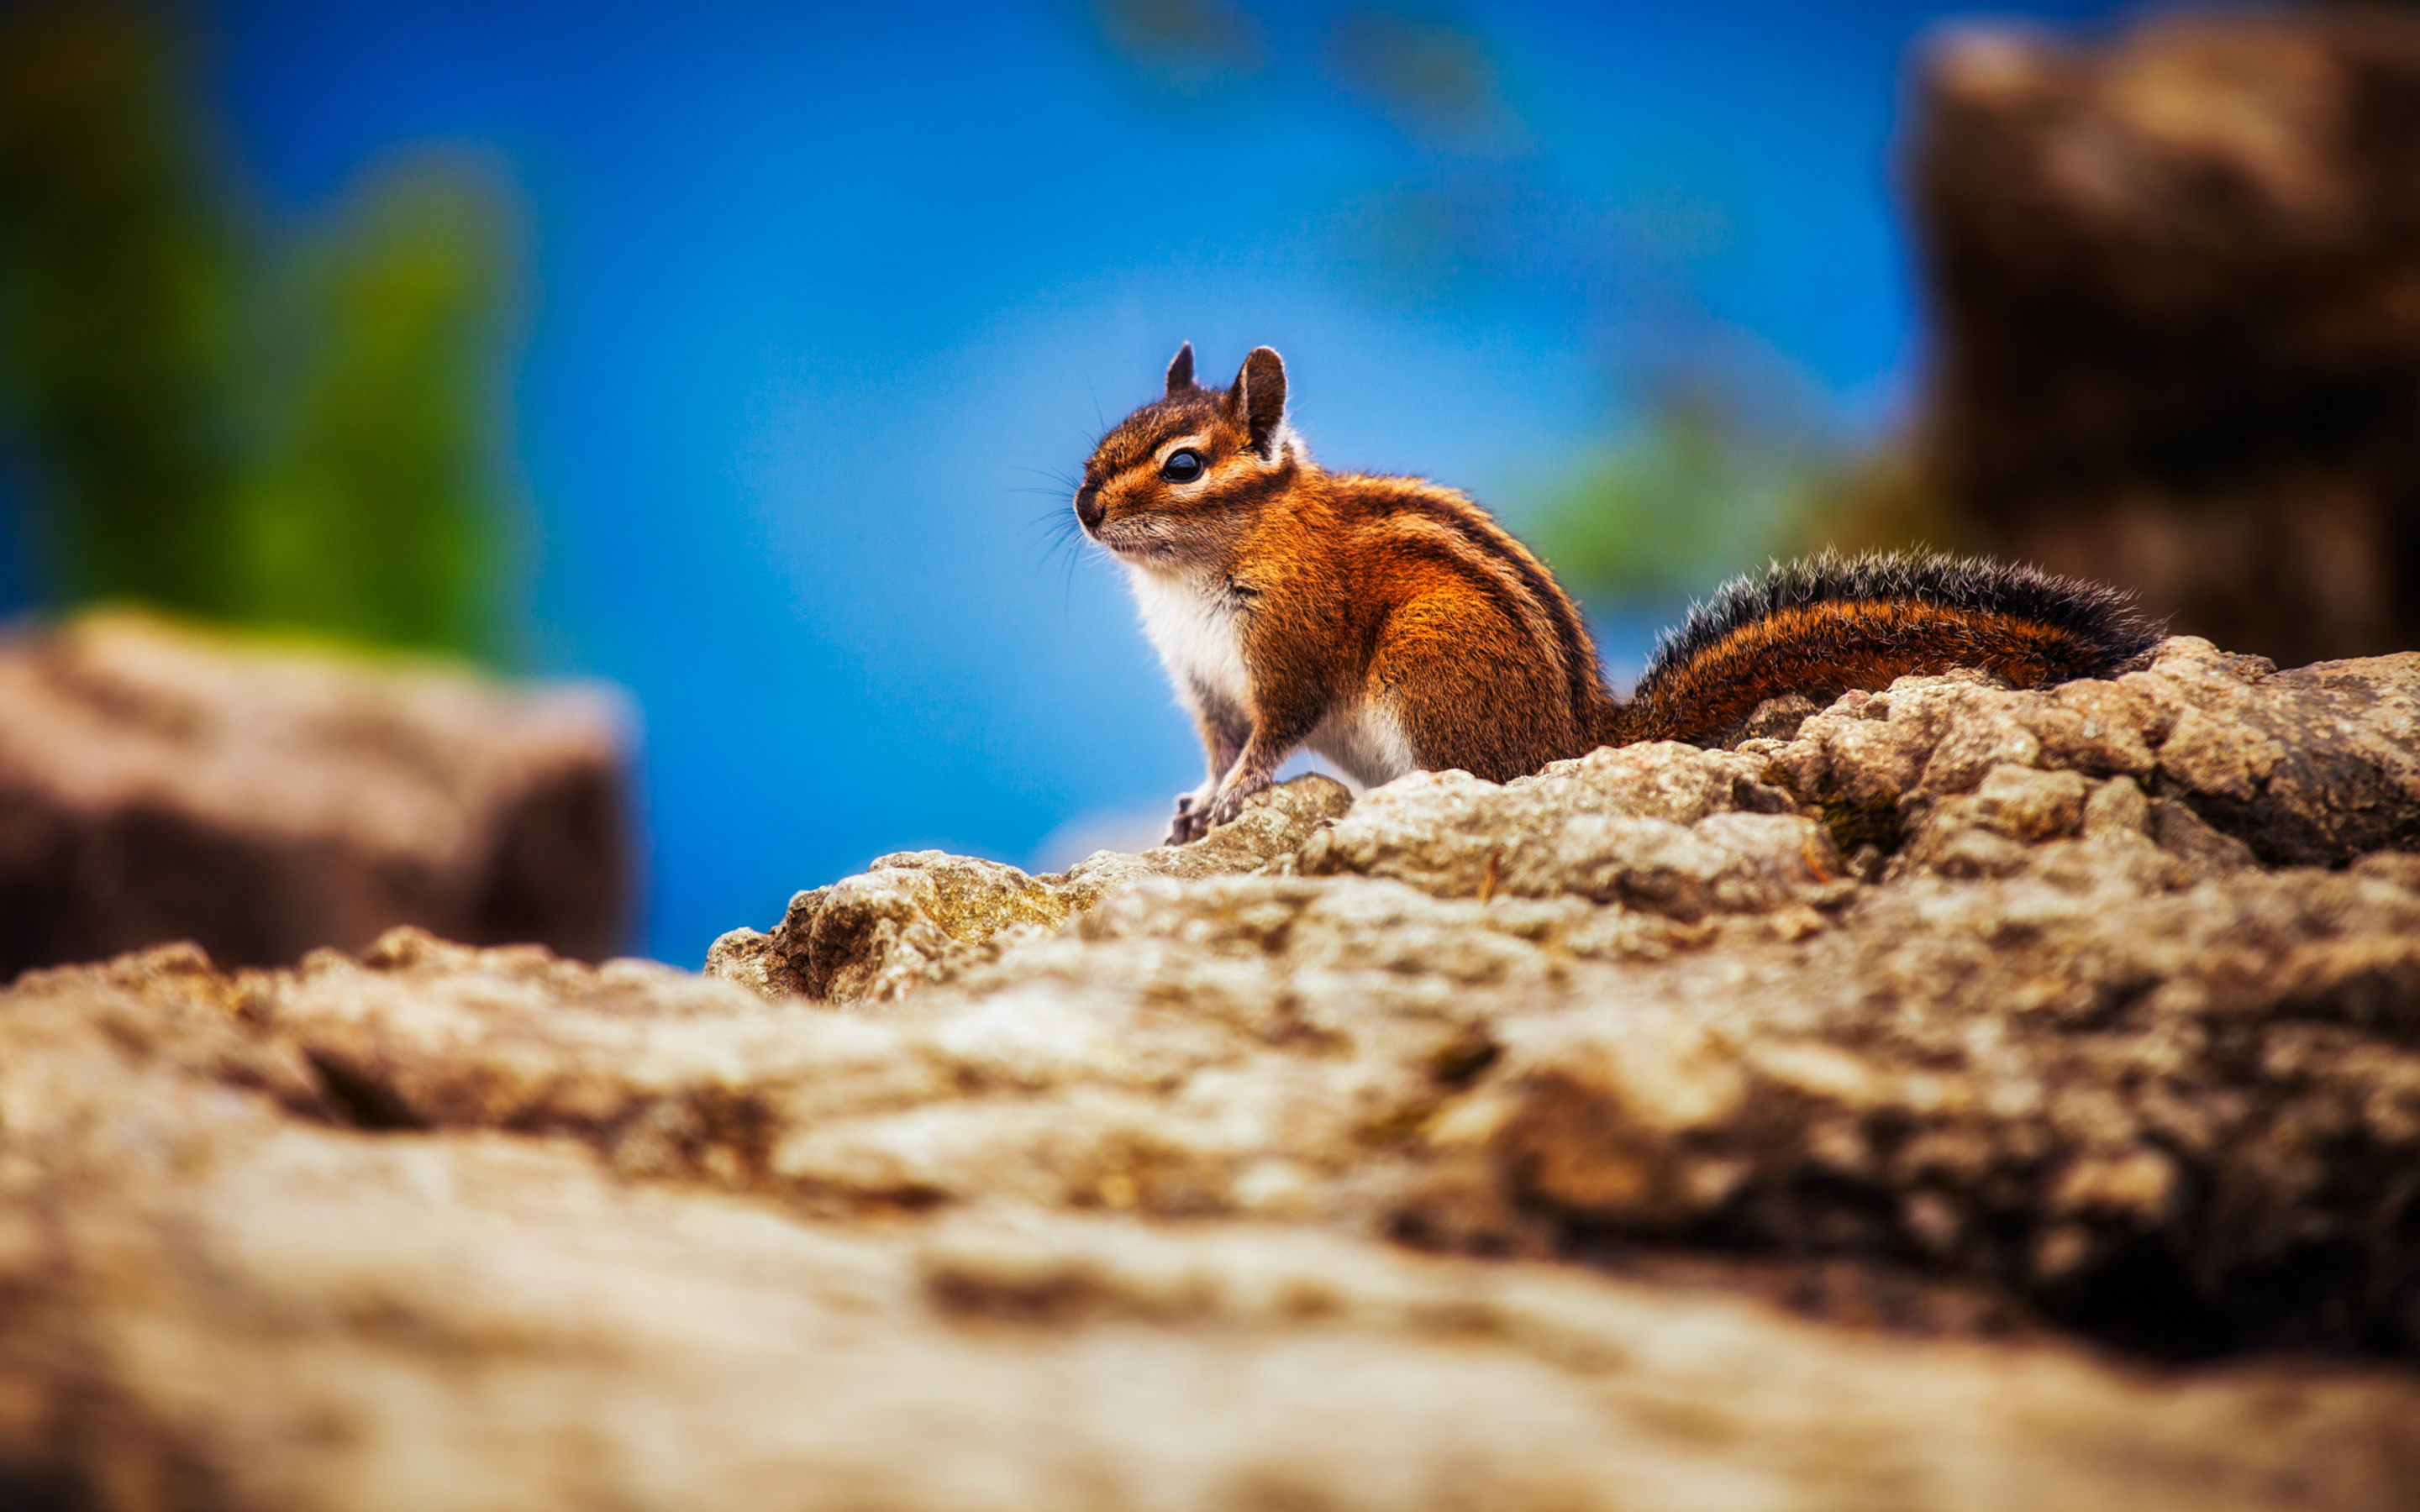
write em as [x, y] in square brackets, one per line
[556, 1235]
[2177, 273]
[1912, 876]
[923, 915]
[159, 784]
[1447, 1149]
[2314, 767]
[1653, 826]
[2226, 758]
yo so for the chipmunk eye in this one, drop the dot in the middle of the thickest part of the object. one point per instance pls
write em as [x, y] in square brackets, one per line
[1181, 466]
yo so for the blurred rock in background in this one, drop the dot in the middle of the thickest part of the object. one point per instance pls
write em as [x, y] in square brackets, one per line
[2175, 290]
[299, 428]
[157, 784]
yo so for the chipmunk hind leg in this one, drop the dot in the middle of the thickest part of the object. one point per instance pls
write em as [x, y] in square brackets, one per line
[1462, 703]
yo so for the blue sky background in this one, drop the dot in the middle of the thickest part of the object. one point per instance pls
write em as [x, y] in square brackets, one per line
[818, 294]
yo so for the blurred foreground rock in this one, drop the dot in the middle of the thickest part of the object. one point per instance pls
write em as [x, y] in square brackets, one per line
[1452, 1149]
[159, 784]
[2176, 283]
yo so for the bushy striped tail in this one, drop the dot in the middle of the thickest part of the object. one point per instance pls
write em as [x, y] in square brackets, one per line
[1825, 625]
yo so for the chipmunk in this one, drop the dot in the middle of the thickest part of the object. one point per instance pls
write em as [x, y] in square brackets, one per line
[1391, 625]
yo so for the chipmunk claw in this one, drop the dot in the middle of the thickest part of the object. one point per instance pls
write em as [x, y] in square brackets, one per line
[1231, 803]
[1193, 820]
[1200, 812]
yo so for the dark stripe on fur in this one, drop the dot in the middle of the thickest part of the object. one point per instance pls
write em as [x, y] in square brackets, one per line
[2104, 616]
[1579, 656]
[1509, 601]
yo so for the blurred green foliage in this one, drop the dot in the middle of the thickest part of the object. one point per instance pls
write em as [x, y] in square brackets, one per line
[301, 431]
[1714, 473]
[1734, 459]
[1704, 487]
[1668, 509]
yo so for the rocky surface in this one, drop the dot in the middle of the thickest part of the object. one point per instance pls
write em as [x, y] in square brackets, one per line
[2055, 1051]
[159, 784]
[1807, 961]
[2177, 277]
[924, 916]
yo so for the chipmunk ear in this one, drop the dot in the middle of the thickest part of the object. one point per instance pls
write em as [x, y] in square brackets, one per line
[1257, 401]
[1180, 370]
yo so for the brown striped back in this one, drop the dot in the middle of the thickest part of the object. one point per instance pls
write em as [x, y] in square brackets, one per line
[1501, 567]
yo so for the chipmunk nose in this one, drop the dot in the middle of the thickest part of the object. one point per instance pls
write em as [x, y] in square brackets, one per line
[1087, 506]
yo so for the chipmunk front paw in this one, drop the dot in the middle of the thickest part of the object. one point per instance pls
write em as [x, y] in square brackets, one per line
[1192, 819]
[1231, 802]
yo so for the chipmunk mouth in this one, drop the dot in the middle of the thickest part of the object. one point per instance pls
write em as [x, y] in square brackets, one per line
[1130, 543]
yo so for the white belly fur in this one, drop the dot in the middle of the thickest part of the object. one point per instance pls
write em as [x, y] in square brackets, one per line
[1192, 626]
[1366, 743]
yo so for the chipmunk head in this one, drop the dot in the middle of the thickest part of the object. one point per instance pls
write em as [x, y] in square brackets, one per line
[1177, 480]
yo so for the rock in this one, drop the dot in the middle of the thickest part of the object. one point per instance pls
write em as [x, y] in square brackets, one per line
[444, 1227]
[2314, 767]
[923, 915]
[1470, 1145]
[157, 784]
[1653, 825]
[2178, 344]
[1898, 874]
